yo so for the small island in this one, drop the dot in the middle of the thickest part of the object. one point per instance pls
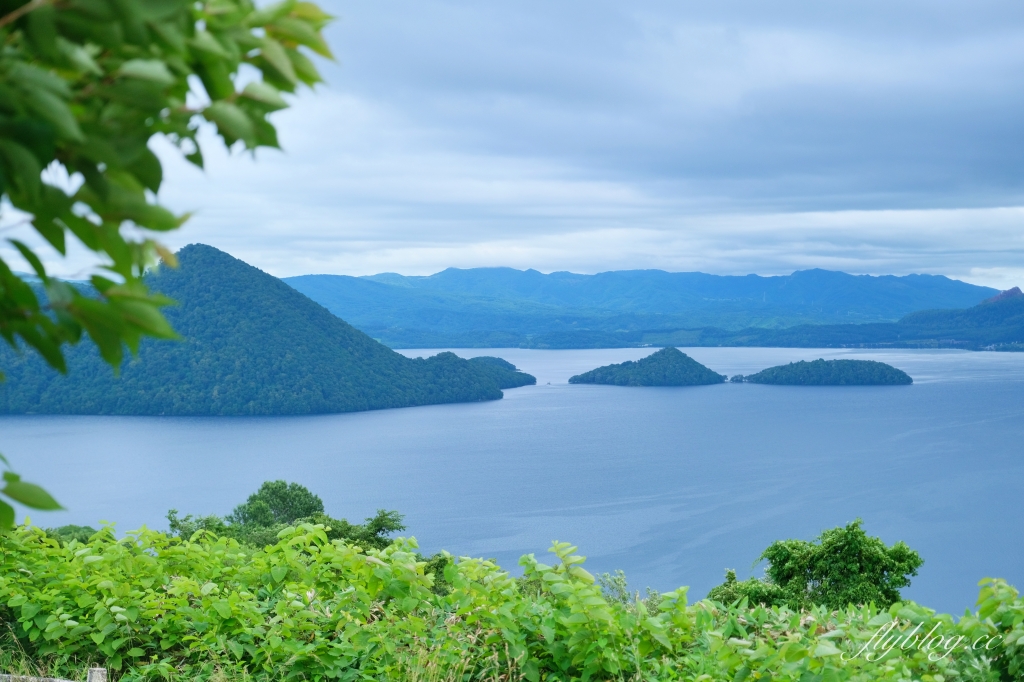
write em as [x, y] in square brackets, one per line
[667, 367]
[830, 373]
[502, 371]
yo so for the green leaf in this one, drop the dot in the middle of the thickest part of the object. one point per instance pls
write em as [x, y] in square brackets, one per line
[304, 68]
[42, 31]
[826, 649]
[53, 109]
[268, 14]
[31, 257]
[79, 57]
[30, 495]
[147, 69]
[148, 170]
[232, 122]
[205, 42]
[264, 93]
[276, 56]
[302, 33]
[6, 516]
[23, 168]
[279, 573]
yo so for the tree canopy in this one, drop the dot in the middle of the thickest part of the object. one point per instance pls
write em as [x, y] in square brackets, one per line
[843, 566]
[84, 86]
[275, 506]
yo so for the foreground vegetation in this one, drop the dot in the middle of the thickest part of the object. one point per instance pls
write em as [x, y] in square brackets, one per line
[153, 605]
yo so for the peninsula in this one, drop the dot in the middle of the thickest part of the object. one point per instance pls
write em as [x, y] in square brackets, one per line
[251, 345]
[667, 367]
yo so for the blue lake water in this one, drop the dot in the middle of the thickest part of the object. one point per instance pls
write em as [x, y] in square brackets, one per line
[673, 485]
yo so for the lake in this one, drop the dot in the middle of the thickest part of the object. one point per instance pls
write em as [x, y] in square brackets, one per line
[672, 485]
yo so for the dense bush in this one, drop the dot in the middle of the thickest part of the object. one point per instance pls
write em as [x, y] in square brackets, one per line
[843, 566]
[276, 505]
[151, 606]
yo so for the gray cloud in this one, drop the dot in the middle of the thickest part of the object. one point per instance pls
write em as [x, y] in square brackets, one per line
[727, 137]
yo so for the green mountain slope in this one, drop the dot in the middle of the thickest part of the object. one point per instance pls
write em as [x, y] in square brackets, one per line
[995, 324]
[831, 373]
[490, 307]
[667, 367]
[252, 346]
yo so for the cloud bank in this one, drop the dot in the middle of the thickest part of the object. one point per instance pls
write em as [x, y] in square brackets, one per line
[729, 137]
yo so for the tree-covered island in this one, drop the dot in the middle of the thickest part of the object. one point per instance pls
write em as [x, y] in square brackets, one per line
[830, 373]
[667, 367]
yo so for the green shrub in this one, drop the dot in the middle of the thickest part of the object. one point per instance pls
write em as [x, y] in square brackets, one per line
[754, 590]
[277, 505]
[842, 566]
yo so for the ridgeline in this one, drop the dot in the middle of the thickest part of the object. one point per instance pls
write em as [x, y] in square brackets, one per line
[830, 373]
[251, 345]
[502, 307]
[667, 367]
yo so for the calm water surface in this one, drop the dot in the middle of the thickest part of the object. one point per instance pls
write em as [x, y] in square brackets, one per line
[673, 485]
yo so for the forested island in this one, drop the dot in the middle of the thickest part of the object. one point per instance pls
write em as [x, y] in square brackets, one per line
[251, 345]
[667, 367]
[830, 373]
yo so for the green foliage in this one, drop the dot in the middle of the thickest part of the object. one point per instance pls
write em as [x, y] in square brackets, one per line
[755, 591]
[65, 534]
[252, 345]
[615, 588]
[278, 505]
[842, 566]
[830, 373]
[277, 502]
[667, 367]
[23, 492]
[152, 606]
[85, 85]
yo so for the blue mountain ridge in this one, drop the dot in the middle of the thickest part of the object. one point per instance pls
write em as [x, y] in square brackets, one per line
[493, 307]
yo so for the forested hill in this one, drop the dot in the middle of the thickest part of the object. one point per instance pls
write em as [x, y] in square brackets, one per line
[666, 367]
[252, 346]
[505, 307]
[995, 324]
[822, 372]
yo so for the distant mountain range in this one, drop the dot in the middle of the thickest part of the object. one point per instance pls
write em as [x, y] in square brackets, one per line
[994, 324]
[251, 346]
[503, 307]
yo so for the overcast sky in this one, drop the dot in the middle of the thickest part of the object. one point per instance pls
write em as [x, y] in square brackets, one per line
[727, 137]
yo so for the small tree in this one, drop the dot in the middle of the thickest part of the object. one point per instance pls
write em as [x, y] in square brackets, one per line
[842, 566]
[276, 502]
